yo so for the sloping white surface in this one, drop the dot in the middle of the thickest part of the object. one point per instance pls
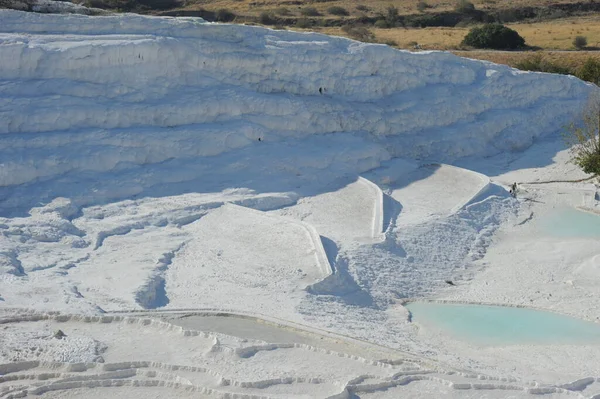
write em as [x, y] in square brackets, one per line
[237, 255]
[436, 190]
[352, 213]
[130, 157]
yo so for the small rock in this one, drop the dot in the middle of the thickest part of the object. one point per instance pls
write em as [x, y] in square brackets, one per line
[59, 334]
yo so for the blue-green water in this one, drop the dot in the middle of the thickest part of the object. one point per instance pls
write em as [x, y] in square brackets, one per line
[498, 325]
[569, 222]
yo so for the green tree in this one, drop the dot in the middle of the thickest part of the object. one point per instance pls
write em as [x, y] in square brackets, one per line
[590, 71]
[391, 15]
[495, 36]
[579, 42]
[464, 7]
[389, 19]
[583, 137]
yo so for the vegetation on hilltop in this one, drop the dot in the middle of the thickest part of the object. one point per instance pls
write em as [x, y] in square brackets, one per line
[449, 13]
[415, 24]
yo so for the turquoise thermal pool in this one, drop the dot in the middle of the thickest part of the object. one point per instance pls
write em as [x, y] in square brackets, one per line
[499, 325]
[570, 222]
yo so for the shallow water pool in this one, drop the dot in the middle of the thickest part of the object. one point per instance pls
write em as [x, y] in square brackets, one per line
[570, 222]
[499, 325]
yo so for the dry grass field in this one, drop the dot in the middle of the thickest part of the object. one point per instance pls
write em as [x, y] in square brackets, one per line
[550, 28]
[570, 59]
[255, 7]
[559, 34]
[550, 35]
[554, 40]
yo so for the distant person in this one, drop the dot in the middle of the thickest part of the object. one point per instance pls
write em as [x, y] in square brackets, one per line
[513, 190]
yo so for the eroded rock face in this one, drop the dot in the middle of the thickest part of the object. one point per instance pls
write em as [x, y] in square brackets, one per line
[139, 91]
[50, 7]
[16, 5]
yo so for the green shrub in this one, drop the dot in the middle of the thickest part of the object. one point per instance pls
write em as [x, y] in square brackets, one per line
[539, 64]
[387, 19]
[590, 164]
[465, 23]
[139, 5]
[224, 15]
[554, 14]
[590, 71]
[494, 36]
[282, 11]
[153, 4]
[425, 20]
[464, 7]
[266, 18]
[97, 4]
[362, 8]
[382, 24]
[508, 15]
[580, 42]
[309, 12]
[422, 6]
[336, 10]
[303, 23]
[584, 139]
[359, 32]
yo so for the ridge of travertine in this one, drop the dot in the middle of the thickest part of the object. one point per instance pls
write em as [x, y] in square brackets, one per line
[127, 90]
